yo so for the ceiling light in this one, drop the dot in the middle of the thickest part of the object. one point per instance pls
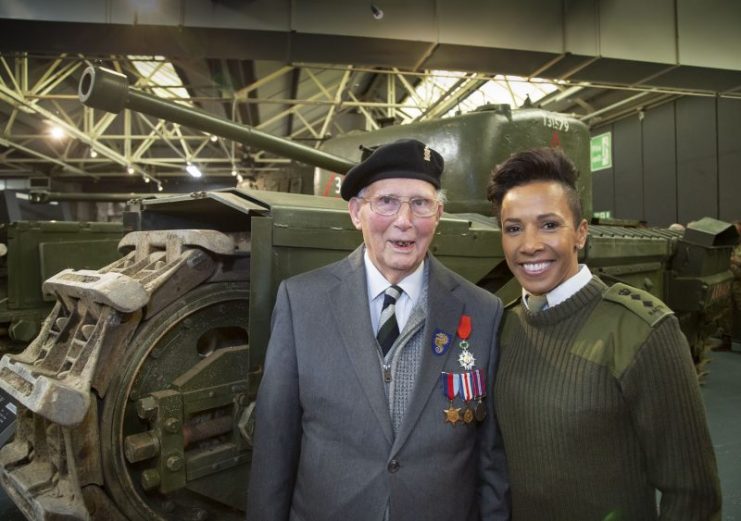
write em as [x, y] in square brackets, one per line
[214, 139]
[234, 172]
[159, 187]
[240, 178]
[146, 179]
[193, 170]
[93, 152]
[57, 132]
[130, 170]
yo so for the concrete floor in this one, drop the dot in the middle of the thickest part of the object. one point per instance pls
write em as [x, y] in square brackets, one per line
[722, 394]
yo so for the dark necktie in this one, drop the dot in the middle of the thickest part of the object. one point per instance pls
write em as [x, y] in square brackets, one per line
[388, 329]
[536, 303]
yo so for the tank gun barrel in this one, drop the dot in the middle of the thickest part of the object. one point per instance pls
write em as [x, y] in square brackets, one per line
[44, 196]
[109, 90]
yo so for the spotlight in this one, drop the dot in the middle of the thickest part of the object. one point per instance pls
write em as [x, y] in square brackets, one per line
[193, 170]
[214, 139]
[377, 11]
[159, 187]
[146, 179]
[57, 132]
[130, 170]
[234, 172]
[93, 153]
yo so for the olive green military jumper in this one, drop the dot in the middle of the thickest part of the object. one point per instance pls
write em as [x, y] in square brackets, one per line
[600, 408]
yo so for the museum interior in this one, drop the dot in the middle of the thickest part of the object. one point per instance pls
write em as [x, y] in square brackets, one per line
[166, 164]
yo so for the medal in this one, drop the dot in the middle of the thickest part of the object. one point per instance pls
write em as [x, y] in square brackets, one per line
[464, 331]
[479, 392]
[452, 415]
[467, 395]
[480, 411]
[466, 359]
[451, 386]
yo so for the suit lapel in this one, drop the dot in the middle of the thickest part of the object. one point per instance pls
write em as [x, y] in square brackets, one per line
[444, 312]
[350, 306]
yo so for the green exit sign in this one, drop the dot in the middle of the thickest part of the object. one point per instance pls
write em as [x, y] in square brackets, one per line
[601, 151]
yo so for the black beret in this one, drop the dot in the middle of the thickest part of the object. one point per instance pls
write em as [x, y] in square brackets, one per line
[405, 158]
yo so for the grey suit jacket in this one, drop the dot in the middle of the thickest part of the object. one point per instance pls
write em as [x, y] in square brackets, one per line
[324, 446]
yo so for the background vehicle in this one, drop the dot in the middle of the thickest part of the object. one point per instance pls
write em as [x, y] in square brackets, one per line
[37, 241]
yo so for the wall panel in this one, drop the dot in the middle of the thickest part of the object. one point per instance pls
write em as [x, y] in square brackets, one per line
[729, 159]
[690, 168]
[626, 142]
[697, 164]
[660, 166]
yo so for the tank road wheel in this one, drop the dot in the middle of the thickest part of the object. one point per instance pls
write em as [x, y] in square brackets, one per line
[170, 444]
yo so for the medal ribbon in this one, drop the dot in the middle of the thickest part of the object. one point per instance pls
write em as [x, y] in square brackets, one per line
[479, 385]
[451, 385]
[466, 386]
[464, 327]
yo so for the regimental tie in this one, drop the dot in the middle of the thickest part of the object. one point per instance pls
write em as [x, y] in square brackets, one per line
[388, 329]
[536, 303]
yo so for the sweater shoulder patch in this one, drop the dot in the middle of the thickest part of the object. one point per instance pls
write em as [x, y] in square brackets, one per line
[618, 326]
[641, 303]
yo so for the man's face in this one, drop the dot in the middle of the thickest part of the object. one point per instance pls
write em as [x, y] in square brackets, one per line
[396, 244]
[539, 240]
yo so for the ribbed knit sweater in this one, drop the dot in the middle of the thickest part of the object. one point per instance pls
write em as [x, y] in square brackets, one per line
[586, 444]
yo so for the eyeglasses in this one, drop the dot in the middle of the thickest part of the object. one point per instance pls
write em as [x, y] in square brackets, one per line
[388, 205]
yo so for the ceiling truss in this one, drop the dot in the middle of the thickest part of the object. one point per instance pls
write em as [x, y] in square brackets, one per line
[303, 102]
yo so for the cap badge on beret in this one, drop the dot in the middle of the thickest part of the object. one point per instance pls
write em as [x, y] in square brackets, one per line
[427, 153]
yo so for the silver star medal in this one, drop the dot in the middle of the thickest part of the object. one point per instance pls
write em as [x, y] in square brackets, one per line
[467, 360]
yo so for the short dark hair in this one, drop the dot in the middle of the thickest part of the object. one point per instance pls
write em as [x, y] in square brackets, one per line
[538, 164]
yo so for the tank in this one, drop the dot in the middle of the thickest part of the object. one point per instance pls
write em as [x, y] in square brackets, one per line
[136, 398]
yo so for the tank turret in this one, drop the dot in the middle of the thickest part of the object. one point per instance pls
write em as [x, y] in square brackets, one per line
[471, 144]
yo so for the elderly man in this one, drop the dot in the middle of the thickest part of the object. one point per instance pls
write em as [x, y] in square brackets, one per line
[596, 392]
[360, 412]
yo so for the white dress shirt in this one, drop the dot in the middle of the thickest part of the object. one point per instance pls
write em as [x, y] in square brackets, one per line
[567, 288]
[377, 284]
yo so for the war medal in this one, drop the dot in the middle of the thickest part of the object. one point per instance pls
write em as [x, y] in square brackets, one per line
[479, 392]
[451, 385]
[467, 395]
[465, 358]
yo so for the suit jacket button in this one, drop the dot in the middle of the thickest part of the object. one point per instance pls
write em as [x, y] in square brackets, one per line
[393, 466]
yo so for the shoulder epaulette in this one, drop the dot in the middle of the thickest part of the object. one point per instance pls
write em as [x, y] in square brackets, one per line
[640, 302]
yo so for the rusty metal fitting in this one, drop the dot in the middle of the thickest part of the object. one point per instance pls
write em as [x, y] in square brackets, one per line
[146, 408]
[141, 446]
[175, 463]
[150, 479]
